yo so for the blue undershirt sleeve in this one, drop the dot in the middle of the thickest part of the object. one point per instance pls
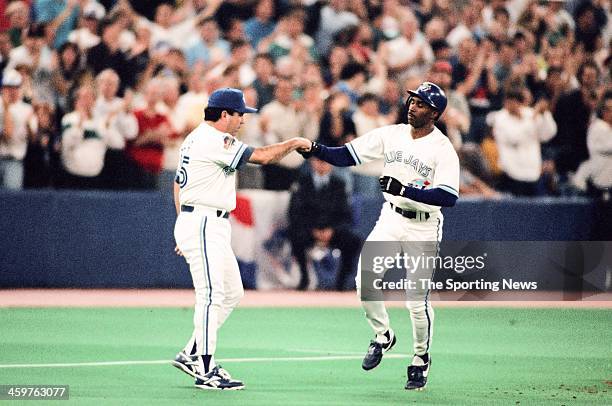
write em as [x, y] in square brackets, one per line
[337, 156]
[245, 157]
[435, 196]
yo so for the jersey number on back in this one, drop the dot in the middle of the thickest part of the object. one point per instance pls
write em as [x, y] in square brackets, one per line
[181, 173]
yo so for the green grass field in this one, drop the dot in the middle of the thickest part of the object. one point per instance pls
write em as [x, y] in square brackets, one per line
[313, 356]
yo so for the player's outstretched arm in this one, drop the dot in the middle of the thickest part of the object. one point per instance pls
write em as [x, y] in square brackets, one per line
[337, 156]
[436, 196]
[270, 154]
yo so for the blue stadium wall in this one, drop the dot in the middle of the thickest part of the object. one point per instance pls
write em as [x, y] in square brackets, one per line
[125, 240]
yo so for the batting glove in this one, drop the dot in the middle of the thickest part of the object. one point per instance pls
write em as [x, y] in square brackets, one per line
[391, 185]
[314, 150]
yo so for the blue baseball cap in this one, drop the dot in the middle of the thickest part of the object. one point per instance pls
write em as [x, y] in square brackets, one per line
[231, 99]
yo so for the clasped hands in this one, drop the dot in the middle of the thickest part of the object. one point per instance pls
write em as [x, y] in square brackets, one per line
[313, 149]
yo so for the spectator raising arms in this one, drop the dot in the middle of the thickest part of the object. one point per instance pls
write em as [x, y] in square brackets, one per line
[281, 120]
[107, 54]
[83, 143]
[518, 132]
[573, 115]
[154, 131]
[120, 126]
[594, 176]
[323, 49]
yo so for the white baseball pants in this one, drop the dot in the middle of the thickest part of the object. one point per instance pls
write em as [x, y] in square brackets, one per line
[204, 240]
[391, 226]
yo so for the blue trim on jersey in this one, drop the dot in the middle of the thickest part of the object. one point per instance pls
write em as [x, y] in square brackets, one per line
[246, 155]
[205, 255]
[449, 189]
[351, 149]
[238, 155]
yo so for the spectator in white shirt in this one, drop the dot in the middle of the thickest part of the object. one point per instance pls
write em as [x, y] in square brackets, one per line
[167, 33]
[86, 35]
[119, 124]
[191, 104]
[83, 143]
[410, 53]
[14, 117]
[367, 117]
[114, 111]
[34, 51]
[281, 120]
[518, 131]
[595, 175]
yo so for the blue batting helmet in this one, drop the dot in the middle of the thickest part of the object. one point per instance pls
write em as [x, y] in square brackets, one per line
[432, 95]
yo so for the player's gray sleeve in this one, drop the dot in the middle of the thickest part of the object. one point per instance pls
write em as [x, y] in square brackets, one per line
[246, 155]
[235, 162]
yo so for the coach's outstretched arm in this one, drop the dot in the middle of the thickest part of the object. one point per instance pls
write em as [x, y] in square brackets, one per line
[337, 156]
[270, 154]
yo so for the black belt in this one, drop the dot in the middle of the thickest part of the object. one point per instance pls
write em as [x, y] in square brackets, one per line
[220, 213]
[407, 213]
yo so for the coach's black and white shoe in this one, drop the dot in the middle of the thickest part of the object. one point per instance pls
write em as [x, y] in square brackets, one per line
[187, 363]
[218, 379]
[376, 351]
[417, 372]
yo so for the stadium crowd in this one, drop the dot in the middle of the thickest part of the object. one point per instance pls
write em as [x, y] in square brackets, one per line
[99, 94]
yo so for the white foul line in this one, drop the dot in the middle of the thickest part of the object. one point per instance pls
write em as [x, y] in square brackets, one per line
[262, 359]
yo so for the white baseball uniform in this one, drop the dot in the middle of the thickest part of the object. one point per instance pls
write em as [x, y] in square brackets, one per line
[425, 163]
[206, 176]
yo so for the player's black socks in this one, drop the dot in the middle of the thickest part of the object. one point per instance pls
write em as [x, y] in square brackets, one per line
[206, 359]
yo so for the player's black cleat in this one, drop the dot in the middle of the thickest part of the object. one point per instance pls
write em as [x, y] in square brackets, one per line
[417, 374]
[376, 351]
[186, 363]
[218, 379]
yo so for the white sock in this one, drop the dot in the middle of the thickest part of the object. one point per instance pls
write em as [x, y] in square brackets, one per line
[418, 361]
[382, 338]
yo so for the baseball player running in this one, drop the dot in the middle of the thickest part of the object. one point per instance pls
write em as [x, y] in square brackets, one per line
[421, 174]
[204, 195]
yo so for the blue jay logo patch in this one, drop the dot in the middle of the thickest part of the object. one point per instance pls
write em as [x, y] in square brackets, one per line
[426, 87]
[420, 183]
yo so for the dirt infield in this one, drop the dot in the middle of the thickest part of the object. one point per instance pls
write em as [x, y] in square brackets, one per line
[252, 298]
